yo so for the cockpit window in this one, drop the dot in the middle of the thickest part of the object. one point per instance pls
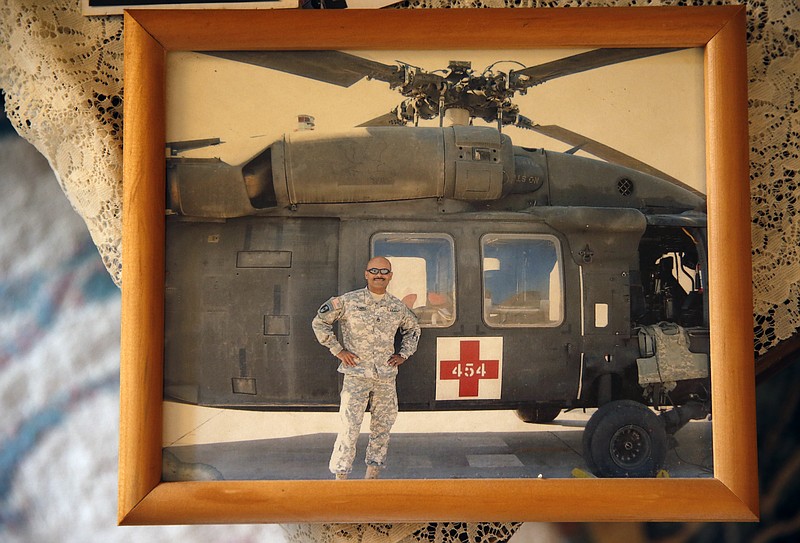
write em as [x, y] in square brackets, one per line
[522, 280]
[424, 274]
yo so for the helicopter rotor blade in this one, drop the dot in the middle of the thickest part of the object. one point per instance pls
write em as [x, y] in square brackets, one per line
[600, 150]
[333, 67]
[387, 119]
[582, 62]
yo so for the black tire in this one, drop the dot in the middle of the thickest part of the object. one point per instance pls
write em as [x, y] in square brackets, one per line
[588, 432]
[538, 414]
[624, 439]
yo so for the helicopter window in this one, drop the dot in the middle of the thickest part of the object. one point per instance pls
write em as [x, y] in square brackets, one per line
[522, 280]
[424, 274]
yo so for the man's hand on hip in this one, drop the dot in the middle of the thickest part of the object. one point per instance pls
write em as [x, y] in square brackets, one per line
[348, 358]
[395, 360]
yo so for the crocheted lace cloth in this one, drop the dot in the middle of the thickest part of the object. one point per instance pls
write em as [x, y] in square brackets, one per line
[62, 74]
[62, 77]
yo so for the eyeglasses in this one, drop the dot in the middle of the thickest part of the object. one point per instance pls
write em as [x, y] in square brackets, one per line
[381, 271]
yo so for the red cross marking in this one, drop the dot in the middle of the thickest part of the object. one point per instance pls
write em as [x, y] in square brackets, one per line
[469, 369]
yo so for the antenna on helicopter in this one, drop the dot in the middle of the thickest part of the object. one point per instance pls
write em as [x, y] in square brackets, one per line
[176, 147]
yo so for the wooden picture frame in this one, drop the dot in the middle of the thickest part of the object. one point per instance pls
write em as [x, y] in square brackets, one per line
[732, 494]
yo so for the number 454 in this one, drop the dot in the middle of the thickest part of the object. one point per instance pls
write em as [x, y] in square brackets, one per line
[469, 369]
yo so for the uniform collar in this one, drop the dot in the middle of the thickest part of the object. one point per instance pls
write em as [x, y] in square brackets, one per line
[369, 298]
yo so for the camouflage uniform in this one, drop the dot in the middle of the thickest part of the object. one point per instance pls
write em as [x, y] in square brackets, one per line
[368, 329]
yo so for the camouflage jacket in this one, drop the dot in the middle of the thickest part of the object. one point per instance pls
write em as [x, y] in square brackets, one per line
[368, 330]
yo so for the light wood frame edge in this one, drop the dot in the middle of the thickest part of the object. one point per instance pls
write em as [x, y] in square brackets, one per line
[142, 318]
[731, 495]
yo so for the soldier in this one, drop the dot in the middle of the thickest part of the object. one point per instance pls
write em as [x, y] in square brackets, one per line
[368, 318]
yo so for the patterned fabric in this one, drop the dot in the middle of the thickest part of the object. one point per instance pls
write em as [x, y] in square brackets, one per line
[382, 397]
[368, 330]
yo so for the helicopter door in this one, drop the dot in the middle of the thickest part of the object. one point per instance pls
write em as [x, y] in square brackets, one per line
[523, 301]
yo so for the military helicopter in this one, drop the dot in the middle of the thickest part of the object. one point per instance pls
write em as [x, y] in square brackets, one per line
[542, 280]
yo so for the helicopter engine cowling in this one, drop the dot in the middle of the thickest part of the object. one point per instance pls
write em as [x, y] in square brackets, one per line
[373, 164]
[380, 164]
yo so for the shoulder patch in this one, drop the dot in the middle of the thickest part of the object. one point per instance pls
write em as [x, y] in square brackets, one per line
[330, 305]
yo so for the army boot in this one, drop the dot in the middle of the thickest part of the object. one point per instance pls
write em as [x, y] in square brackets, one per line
[372, 472]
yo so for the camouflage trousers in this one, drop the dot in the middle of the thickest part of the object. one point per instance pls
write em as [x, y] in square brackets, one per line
[356, 392]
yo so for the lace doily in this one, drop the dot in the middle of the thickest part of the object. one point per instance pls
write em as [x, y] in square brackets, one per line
[62, 76]
[445, 532]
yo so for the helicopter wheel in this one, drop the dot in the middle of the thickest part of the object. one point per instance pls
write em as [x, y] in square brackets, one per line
[624, 439]
[538, 414]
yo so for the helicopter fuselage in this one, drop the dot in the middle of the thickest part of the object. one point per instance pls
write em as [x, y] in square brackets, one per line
[539, 278]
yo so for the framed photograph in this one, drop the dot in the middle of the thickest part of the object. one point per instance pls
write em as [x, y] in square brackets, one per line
[630, 275]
